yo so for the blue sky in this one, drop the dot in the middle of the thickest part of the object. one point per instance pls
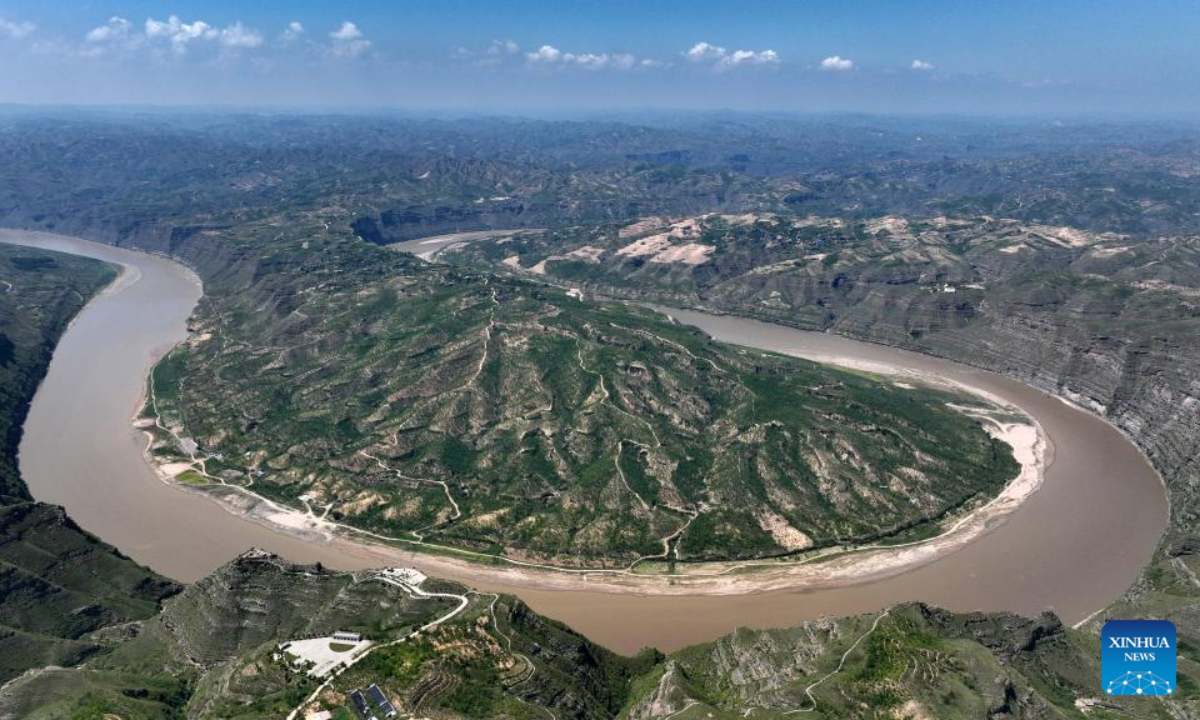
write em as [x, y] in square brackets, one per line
[906, 56]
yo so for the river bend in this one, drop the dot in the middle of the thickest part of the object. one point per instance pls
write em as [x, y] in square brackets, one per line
[1074, 546]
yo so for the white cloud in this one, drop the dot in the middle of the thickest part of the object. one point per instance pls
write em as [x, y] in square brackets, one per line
[496, 53]
[16, 30]
[293, 30]
[348, 31]
[749, 57]
[550, 55]
[237, 36]
[116, 29]
[503, 47]
[922, 65]
[622, 61]
[703, 52]
[179, 33]
[348, 41]
[835, 62]
[545, 55]
[351, 48]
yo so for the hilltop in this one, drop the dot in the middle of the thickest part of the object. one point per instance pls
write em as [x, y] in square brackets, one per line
[215, 652]
[462, 409]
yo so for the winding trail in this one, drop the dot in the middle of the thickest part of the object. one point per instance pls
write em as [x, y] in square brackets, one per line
[841, 664]
[441, 483]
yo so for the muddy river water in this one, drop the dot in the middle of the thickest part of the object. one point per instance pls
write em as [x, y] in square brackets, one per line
[1073, 546]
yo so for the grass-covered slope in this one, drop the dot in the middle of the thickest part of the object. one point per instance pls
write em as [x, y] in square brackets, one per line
[422, 402]
[60, 588]
[498, 659]
[914, 662]
[212, 653]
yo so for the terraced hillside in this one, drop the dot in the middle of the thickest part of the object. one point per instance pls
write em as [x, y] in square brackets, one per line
[62, 591]
[1104, 319]
[425, 403]
[214, 652]
[436, 649]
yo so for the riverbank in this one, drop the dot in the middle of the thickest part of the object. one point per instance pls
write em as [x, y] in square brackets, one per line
[1100, 506]
[829, 567]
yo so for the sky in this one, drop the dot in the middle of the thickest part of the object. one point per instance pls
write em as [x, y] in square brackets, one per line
[1016, 57]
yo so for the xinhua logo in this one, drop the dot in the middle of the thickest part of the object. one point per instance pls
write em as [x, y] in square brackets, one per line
[1138, 657]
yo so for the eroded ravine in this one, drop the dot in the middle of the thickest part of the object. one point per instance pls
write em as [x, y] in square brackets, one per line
[1074, 545]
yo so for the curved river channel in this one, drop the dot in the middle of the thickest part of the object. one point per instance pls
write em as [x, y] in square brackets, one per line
[1073, 546]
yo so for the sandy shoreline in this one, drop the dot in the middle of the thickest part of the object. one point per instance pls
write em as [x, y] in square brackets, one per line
[851, 566]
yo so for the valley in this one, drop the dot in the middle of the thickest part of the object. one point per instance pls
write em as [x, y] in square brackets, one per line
[621, 609]
[513, 420]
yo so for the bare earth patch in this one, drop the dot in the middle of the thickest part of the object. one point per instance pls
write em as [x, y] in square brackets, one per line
[1107, 252]
[586, 252]
[656, 244]
[1162, 286]
[745, 219]
[891, 224]
[642, 226]
[912, 710]
[646, 246]
[174, 469]
[1065, 236]
[690, 254]
[782, 531]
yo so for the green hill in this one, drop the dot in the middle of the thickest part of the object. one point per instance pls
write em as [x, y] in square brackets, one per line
[472, 411]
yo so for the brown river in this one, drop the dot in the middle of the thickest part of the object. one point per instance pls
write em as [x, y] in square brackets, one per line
[1073, 546]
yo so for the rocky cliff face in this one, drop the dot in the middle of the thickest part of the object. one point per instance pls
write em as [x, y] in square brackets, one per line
[1113, 326]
